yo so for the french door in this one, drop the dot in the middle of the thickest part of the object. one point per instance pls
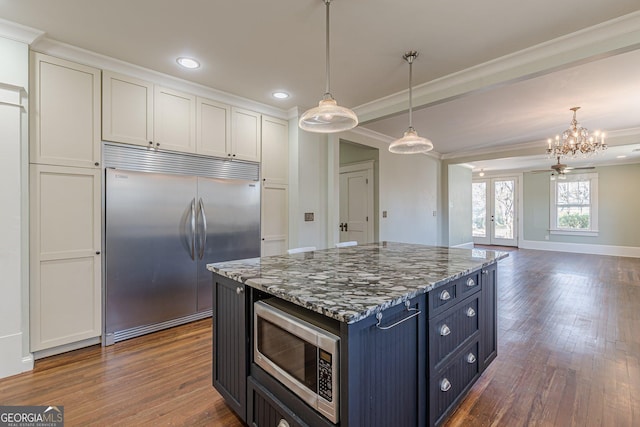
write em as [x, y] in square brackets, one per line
[494, 204]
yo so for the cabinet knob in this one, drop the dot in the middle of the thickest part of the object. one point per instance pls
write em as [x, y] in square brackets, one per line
[444, 330]
[97, 252]
[445, 295]
[485, 271]
[283, 423]
[471, 312]
[97, 164]
[470, 282]
[229, 154]
[157, 144]
[234, 156]
[471, 358]
[239, 290]
[150, 142]
[445, 385]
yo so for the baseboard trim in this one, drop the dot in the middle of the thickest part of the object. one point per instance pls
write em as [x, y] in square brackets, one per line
[467, 245]
[66, 347]
[625, 251]
[12, 361]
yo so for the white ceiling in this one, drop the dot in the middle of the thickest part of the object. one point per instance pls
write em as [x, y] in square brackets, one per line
[252, 48]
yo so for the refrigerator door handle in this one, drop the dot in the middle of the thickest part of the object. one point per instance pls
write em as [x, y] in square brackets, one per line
[204, 229]
[193, 229]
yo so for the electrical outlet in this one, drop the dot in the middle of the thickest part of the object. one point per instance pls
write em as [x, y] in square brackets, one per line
[434, 213]
[384, 214]
[308, 216]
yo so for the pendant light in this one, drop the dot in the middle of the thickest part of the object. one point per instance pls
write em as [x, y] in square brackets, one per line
[410, 143]
[328, 116]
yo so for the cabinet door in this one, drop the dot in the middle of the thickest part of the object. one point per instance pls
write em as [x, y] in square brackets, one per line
[275, 150]
[245, 135]
[275, 219]
[174, 115]
[65, 257]
[65, 113]
[489, 342]
[384, 368]
[127, 109]
[213, 129]
[230, 343]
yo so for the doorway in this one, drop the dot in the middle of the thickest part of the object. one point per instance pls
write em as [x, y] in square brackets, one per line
[356, 202]
[494, 202]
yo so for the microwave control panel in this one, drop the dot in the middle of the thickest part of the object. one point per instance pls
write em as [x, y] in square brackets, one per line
[325, 376]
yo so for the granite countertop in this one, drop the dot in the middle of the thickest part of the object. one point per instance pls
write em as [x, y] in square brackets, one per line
[350, 284]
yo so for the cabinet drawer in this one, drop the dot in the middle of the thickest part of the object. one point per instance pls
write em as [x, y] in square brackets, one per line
[446, 296]
[452, 328]
[469, 284]
[265, 410]
[450, 383]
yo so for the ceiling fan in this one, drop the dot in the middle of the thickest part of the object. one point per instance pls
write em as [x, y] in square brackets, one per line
[560, 169]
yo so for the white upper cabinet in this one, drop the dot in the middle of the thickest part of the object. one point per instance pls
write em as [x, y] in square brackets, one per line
[213, 134]
[174, 120]
[245, 135]
[275, 150]
[65, 113]
[127, 109]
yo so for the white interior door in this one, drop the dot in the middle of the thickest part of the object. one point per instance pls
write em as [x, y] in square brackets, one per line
[494, 211]
[356, 206]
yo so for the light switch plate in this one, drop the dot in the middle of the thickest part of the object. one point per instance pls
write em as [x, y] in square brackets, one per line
[308, 216]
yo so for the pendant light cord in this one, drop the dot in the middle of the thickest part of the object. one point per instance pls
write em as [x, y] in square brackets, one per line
[410, 59]
[328, 70]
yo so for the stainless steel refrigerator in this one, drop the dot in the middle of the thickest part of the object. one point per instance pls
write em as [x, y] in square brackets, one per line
[163, 223]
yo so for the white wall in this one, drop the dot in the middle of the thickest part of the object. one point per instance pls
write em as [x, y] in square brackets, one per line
[14, 219]
[459, 202]
[408, 192]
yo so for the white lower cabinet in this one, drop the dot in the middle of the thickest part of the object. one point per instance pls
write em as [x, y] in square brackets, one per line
[275, 219]
[65, 268]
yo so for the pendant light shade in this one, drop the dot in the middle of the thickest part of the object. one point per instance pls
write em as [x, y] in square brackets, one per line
[328, 116]
[410, 143]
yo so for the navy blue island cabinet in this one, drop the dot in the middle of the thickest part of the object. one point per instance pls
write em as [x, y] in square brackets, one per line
[410, 363]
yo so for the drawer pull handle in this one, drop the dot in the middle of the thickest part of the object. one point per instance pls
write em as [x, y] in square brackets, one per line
[444, 330]
[407, 304]
[283, 423]
[445, 385]
[445, 295]
[471, 312]
[470, 282]
[471, 358]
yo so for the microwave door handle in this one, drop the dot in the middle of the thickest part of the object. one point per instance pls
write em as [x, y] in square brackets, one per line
[204, 229]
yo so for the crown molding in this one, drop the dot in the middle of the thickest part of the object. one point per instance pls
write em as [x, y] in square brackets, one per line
[605, 39]
[82, 56]
[20, 33]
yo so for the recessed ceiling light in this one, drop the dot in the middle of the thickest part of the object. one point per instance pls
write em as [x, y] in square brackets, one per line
[188, 62]
[621, 157]
[280, 95]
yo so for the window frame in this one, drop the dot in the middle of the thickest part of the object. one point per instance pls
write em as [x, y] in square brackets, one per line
[593, 205]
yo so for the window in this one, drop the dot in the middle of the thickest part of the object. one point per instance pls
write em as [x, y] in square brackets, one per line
[574, 205]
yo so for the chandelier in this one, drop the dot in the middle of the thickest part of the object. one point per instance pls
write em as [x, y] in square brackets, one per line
[576, 140]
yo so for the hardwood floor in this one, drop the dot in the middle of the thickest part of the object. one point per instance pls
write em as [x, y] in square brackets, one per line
[568, 355]
[161, 379]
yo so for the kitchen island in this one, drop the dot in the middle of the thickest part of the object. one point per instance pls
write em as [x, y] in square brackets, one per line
[416, 327]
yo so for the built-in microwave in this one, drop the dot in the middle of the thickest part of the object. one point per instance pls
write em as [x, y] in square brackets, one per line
[297, 351]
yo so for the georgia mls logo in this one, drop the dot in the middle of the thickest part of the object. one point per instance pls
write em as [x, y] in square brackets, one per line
[31, 416]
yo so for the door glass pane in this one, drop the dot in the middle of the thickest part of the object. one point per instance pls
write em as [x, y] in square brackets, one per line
[479, 201]
[504, 192]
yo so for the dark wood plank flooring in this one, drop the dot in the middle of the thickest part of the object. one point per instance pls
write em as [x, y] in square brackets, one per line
[569, 348]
